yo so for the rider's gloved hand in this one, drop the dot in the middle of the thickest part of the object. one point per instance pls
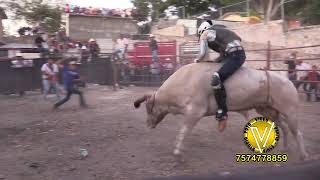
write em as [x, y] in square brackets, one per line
[196, 60]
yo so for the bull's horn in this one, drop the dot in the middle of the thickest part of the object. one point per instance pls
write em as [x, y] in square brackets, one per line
[141, 100]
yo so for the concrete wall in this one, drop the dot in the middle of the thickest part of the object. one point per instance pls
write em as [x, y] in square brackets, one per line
[82, 27]
[261, 33]
[305, 37]
[177, 31]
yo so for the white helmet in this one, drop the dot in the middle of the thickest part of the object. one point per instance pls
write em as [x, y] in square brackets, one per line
[204, 26]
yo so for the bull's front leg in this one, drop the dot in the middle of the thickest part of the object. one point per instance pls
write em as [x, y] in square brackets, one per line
[187, 127]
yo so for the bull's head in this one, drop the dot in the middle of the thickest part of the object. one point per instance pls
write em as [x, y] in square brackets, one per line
[154, 112]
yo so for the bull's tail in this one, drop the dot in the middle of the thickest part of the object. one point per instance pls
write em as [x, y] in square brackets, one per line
[141, 100]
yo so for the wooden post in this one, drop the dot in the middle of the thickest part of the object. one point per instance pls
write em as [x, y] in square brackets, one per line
[268, 56]
[283, 16]
[248, 8]
[220, 12]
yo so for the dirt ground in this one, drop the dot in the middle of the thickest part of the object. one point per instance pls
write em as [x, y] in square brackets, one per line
[38, 144]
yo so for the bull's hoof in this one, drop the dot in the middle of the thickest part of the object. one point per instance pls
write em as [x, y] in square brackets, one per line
[305, 157]
[176, 152]
[178, 160]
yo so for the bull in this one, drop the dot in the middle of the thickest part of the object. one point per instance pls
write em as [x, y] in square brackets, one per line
[188, 92]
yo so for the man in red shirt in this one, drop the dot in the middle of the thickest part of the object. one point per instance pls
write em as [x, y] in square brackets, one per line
[313, 75]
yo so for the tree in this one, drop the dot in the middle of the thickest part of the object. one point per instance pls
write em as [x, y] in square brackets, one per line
[142, 9]
[311, 12]
[36, 11]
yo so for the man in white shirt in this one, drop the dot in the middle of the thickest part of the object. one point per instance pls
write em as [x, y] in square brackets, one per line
[50, 77]
[122, 45]
[302, 75]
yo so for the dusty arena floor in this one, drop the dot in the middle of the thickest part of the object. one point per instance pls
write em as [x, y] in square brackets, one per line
[38, 144]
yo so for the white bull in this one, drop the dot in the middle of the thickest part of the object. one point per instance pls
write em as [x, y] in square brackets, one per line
[188, 92]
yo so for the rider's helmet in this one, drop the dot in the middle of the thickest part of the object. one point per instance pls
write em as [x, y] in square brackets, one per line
[204, 26]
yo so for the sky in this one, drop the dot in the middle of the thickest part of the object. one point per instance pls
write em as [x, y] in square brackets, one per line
[11, 26]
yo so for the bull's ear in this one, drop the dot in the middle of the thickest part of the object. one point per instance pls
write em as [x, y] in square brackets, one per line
[140, 100]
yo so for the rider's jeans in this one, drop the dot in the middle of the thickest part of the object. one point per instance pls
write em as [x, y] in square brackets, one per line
[232, 62]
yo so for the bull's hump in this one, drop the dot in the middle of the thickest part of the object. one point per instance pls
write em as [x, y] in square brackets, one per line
[191, 75]
[203, 66]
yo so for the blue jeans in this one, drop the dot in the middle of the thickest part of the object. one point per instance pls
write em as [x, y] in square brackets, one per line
[71, 91]
[47, 84]
[154, 56]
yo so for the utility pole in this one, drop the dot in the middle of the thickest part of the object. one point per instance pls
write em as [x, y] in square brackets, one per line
[282, 16]
[248, 8]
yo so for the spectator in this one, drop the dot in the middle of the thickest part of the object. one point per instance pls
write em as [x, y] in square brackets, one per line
[168, 68]
[313, 75]
[50, 77]
[155, 72]
[38, 41]
[84, 54]
[71, 77]
[76, 9]
[154, 48]
[122, 46]
[292, 74]
[303, 74]
[67, 8]
[19, 65]
[94, 48]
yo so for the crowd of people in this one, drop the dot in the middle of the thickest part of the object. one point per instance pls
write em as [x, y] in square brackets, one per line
[304, 75]
[60, 43]
[74, 9]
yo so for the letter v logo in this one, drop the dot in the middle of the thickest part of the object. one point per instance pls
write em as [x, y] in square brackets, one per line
[261, 140]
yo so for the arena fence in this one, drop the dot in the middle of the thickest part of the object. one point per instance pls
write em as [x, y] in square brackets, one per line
[18, 80]
[143, 75]
[103, 71]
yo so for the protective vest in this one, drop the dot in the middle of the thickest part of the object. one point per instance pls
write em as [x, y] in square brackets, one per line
[223, 38]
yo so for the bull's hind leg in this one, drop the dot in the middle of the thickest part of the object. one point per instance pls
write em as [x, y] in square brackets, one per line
[288, 115]
[293, 126]
[276, 117]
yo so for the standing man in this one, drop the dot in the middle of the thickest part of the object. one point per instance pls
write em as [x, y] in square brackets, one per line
[94, 48]
[292, 74]
[313, 76]
[70, 79]
[154, 48]
[302, 75]
[50, 77]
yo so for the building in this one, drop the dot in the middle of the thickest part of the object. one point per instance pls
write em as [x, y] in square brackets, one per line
[104, 29]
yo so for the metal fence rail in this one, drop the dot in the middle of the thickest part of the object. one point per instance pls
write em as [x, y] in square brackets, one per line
[15, 80]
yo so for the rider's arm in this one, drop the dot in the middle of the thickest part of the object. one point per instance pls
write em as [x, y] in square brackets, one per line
[203, 47]
[205, 37]
[203, 50]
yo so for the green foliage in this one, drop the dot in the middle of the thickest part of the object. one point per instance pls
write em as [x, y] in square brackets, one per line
[312, 12]
[229, 2]
[35, 11]
[142, 9]
[307, 10]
